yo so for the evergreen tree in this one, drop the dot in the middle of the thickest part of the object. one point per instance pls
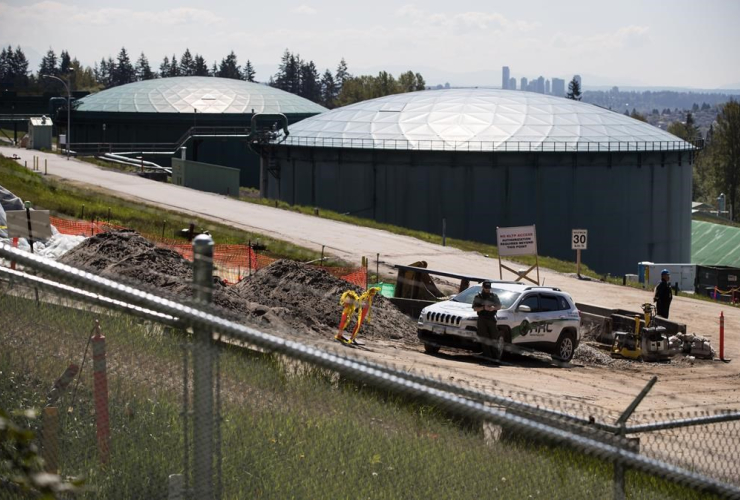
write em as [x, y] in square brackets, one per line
[249, 72]
[310, 85]
[328, 90]
[5, 64]
[174, 67]
[103, 75]
[48, 64]
[143, 70]
[187, 64]
[13, 68]
[124, 71]
[341, 75]
[201, 68]
[574, 90]
[421, 84]
[229, 67]
[214, 69]
[65, 63]
[281, 77]
[164, 68]
[19, 67]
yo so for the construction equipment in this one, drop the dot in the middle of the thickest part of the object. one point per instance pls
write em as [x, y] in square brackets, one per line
[648, 343]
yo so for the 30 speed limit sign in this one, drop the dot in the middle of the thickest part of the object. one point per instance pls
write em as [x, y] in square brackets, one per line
[579, 239]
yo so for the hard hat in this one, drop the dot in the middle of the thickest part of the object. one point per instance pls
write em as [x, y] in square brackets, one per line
[665, 271]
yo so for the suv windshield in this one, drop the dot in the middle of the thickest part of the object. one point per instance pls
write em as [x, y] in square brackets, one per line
[506, 297]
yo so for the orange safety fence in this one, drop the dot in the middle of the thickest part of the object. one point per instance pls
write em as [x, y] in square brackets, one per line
[231, 262]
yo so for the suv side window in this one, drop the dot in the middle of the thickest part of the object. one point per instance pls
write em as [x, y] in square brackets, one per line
[532, 301]
[549, 303]
[564, 305]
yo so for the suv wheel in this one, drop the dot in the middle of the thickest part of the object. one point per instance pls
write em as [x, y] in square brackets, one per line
[431, 348]
[498, 347]
[565, 347]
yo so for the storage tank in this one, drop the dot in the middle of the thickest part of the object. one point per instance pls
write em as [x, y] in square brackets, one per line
[482, 158]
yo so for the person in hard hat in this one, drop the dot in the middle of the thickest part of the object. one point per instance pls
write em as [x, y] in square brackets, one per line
[486, 303]
[663, 294]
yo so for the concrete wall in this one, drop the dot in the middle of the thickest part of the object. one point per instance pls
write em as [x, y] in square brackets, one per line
[205, 177]
[636, 207]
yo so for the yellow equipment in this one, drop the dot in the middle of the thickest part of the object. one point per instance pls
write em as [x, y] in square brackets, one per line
[648, 343]
[627, 344]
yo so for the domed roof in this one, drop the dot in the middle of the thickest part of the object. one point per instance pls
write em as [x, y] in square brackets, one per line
[480, 120]
[206, 94]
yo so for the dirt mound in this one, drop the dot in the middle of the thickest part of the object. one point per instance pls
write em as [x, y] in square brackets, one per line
[286, 295]
[126, 254]
[310, 298]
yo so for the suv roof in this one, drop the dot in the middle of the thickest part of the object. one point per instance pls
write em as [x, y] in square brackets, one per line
[517, 286]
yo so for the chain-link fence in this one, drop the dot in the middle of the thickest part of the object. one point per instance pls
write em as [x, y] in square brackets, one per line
[150, 395]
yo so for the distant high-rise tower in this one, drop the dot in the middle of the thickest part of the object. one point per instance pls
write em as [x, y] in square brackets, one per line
[541, 85]
[558, 87]
[523, 83]
[505, 77]
[547, 86]
[512, 83]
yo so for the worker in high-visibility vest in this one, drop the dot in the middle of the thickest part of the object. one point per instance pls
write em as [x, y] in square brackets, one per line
[365, 303]
[349, 301]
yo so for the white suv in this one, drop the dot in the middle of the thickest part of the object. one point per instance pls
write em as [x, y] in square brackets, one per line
[535, 317]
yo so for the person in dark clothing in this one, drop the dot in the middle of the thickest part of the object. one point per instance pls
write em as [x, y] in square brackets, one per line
[486, 303]
[663, 294]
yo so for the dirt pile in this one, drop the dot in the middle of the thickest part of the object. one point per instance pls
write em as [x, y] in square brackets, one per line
[286, 295]
[310, 299]
[127, 255]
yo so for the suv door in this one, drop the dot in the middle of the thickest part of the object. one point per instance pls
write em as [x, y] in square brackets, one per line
[553, 313]
[522, 322]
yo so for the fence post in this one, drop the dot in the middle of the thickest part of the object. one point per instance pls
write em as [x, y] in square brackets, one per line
[444, 231]
[203, 422]
[50, 439]
[622, 422]
[100, 391]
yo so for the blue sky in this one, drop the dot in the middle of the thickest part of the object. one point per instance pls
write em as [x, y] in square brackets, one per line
[677, 43]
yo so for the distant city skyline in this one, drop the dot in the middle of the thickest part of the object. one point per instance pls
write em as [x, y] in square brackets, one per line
[541, 85]
[630, 43]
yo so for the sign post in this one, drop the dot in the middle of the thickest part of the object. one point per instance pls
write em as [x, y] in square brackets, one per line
[32, 225]
[515, 241]
[578, 242]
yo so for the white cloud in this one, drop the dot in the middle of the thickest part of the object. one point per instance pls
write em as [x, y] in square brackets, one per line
[55, 12]
[304, 10]
[464, 22]
[625, 37]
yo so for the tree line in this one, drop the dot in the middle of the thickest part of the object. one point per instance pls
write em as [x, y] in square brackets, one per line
[295, 75]
[717, 165]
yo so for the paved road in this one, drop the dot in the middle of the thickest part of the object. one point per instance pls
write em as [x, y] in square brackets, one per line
[708, 385]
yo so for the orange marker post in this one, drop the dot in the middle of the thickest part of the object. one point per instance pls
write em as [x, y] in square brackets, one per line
[722, 336]
[100, 388]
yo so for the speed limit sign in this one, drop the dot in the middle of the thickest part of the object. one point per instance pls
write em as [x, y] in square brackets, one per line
[579, 239]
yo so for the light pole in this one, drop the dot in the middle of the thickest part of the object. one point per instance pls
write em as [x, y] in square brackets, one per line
[69, 107]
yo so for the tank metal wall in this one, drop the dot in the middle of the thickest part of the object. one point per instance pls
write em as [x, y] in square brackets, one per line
[87, 127]
[635, 206]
